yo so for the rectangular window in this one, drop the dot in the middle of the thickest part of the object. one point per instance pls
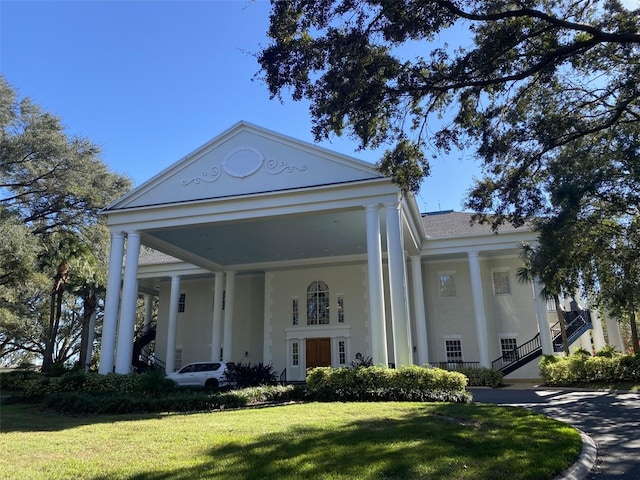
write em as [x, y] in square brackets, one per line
[447, 285]
[342, 352]
[295, 355]
[340, 309]
[182, 300]
[509, 347]
[294, 311]
[501, 284]
[177, 361]
[551, 305]
[453, 349]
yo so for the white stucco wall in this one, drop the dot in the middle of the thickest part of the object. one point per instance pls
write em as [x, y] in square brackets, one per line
[348, 281]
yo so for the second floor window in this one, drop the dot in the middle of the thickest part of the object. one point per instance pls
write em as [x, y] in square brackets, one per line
[317, 303]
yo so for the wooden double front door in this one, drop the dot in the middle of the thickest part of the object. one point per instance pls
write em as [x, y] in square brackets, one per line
[318, 352]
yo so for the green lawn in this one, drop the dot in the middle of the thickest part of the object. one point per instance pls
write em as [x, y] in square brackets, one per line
[302, 441]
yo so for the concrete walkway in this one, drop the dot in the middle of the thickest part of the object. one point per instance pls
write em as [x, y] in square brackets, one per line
[611, 419]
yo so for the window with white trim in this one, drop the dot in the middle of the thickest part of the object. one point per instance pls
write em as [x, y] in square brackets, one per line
[294, 311]
[453, 350]
[551, 305]
[295, 354]
[182, 301]
[340, 308]
[342, 352]
[177, 360]
[501, 285]
[317, 303]
[509, 346]
[447, 285]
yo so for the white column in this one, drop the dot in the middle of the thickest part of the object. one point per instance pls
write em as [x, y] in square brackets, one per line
[174, 300]
[216, 328]
[148, 315]
[478, 308]
[126, 328]
[376, 291]
[418, 309]
[267, 334]
[90, 337]
[398, 287]
[111, 303]
[228, 316]
[543, 320]
[148, 311]
[613, 332]
[598, 331]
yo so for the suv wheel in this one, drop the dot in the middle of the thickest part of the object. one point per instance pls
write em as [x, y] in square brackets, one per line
[211, 384]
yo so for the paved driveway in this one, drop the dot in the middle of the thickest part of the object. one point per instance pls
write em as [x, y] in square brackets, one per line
[612, 420]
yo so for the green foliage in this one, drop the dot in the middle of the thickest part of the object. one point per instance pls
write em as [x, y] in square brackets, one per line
[517, 81]
[608, 351]
[381, 384]
[482, 377]
[16, 380]
[169, 400]
[244, 375]
[52, 187]
[581, 369]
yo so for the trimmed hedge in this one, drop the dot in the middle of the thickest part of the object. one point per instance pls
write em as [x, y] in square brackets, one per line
[566, 371]
[382, 384]
[74, 402]
[147, 384]
[482, 377]
[16, 380]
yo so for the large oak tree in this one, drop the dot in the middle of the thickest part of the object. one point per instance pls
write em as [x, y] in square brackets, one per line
[52, 186]
[527, 78]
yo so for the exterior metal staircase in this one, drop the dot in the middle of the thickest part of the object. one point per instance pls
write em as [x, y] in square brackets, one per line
[577, 322]
[141, 360]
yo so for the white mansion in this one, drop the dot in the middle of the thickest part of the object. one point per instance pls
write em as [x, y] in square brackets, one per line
[266, 249]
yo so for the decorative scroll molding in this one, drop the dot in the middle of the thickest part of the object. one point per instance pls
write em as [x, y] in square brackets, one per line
[242, 162]
[211, 176]
[274, 167]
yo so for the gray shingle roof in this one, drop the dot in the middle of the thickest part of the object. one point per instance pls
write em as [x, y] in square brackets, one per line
[445, 224]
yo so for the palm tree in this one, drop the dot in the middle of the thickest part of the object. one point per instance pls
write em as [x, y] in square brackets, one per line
[537, 263]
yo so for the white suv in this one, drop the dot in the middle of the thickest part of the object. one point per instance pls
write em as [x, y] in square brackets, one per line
[202, 374]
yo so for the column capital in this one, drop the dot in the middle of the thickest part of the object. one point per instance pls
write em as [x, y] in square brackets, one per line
[473, 253]
[371, 206]
[392, 205]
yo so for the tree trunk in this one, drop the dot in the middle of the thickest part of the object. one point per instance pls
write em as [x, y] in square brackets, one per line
[563, 325]
[90, 303]
[47, 360]
[634, 331]
[55, 313]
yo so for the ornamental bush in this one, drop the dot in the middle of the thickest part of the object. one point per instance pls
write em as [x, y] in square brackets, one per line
[578, 369]
[411, 383]
[149, 383]
[483, 377]
[17, 380]
[180, 400]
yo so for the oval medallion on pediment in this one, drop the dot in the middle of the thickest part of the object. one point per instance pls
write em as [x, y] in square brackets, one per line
[243, 161]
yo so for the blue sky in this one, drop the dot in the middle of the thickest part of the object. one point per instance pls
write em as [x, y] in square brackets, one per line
[150, 81]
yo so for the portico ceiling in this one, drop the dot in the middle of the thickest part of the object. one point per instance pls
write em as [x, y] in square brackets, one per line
[244, 244]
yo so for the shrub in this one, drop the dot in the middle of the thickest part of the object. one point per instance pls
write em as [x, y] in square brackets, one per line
[244, 375]
[17, 380]
[483, 377]
[566, 371]
[378, 384]
[608, 351]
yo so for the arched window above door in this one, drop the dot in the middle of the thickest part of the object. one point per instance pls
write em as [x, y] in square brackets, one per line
[317, 303]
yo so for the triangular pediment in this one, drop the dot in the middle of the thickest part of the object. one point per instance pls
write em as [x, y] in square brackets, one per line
[246, 160]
